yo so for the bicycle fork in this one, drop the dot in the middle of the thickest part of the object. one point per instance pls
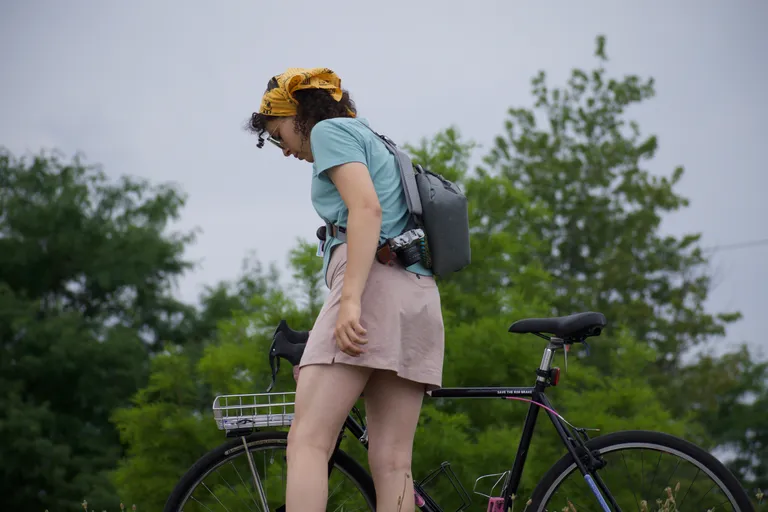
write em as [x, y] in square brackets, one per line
[588, 467]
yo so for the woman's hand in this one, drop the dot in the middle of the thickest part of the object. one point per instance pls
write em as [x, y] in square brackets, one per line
[349, 334]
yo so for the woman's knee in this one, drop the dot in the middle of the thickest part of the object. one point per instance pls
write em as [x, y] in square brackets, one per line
[304, 436]
[385, 460]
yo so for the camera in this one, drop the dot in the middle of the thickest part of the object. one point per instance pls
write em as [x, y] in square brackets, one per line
[409, 247]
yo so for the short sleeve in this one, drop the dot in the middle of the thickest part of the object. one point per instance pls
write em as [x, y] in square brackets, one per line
[334, 144]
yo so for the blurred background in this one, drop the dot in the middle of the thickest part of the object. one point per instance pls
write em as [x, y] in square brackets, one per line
[148, 247]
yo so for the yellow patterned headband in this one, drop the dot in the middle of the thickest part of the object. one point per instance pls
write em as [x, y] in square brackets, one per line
[279, 100]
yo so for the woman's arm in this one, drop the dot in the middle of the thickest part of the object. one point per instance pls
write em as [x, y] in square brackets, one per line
[340, 153]
[354, 183]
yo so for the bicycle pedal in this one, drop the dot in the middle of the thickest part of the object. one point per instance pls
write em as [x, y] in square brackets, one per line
[495, 505]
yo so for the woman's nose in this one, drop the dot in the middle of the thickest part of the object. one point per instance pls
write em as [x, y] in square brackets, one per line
[286, 152]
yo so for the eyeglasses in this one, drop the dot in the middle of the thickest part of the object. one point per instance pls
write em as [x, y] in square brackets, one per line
[275, 141]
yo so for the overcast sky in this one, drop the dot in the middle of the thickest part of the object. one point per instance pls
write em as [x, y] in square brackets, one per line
[160, 89]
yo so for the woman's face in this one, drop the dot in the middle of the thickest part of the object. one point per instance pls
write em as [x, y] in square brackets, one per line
[282, 133]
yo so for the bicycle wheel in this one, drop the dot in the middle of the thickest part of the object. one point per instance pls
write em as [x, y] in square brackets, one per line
[223, 479]
[681, 475]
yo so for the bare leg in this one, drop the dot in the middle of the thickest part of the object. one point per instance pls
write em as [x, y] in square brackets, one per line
[324, 396]
[392, 407]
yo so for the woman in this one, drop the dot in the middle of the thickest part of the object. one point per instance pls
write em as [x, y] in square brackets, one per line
[380, 331]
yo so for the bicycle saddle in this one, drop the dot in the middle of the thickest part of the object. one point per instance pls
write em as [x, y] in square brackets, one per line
[578, 325]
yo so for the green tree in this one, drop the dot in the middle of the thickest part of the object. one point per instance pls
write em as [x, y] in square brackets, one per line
[576, 154]
[86, 269]
[307, 273]
[70, 238]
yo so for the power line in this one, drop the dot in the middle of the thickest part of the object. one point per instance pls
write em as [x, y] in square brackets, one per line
[737, 245]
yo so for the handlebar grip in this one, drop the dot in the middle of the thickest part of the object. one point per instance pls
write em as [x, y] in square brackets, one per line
[286, 344]
[283, 348]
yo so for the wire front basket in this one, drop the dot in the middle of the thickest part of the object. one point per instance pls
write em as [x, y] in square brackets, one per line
[234, 412]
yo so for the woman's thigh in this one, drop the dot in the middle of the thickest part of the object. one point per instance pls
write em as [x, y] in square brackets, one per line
[324, 396]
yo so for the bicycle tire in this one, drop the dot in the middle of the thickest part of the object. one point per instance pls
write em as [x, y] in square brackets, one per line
[566, 465]
[213, 458]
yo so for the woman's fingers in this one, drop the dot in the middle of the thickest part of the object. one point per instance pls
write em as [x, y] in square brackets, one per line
[354, 335]
[361, 332]
[346, 340]
[350, 348]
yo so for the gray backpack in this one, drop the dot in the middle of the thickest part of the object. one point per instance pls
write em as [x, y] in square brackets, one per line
[439, 208]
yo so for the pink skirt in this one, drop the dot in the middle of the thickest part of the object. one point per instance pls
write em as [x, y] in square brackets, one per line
[401, 312]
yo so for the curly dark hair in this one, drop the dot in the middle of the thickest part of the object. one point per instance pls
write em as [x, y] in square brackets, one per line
[314, 105]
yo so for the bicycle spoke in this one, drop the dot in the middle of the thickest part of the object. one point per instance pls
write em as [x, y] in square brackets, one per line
[630, 480]
[689, 487]
[658, 462]
[232, 463]
[214, 497]
[202, 504]
[226, 482]
[333, 492]
[705, 495]
[673, 473]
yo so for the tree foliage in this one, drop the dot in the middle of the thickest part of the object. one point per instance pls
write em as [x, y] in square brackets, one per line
[78, 242]
[87, 268]
[576, 154]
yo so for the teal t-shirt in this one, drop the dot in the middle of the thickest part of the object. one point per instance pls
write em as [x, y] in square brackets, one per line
[341, 140]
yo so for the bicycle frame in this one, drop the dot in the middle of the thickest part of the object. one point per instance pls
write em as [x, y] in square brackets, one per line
[538, 399]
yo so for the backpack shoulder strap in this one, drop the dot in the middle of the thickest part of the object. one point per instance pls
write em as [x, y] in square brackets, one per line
[406, 173]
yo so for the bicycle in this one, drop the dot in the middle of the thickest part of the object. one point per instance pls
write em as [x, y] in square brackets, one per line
[242, 417]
